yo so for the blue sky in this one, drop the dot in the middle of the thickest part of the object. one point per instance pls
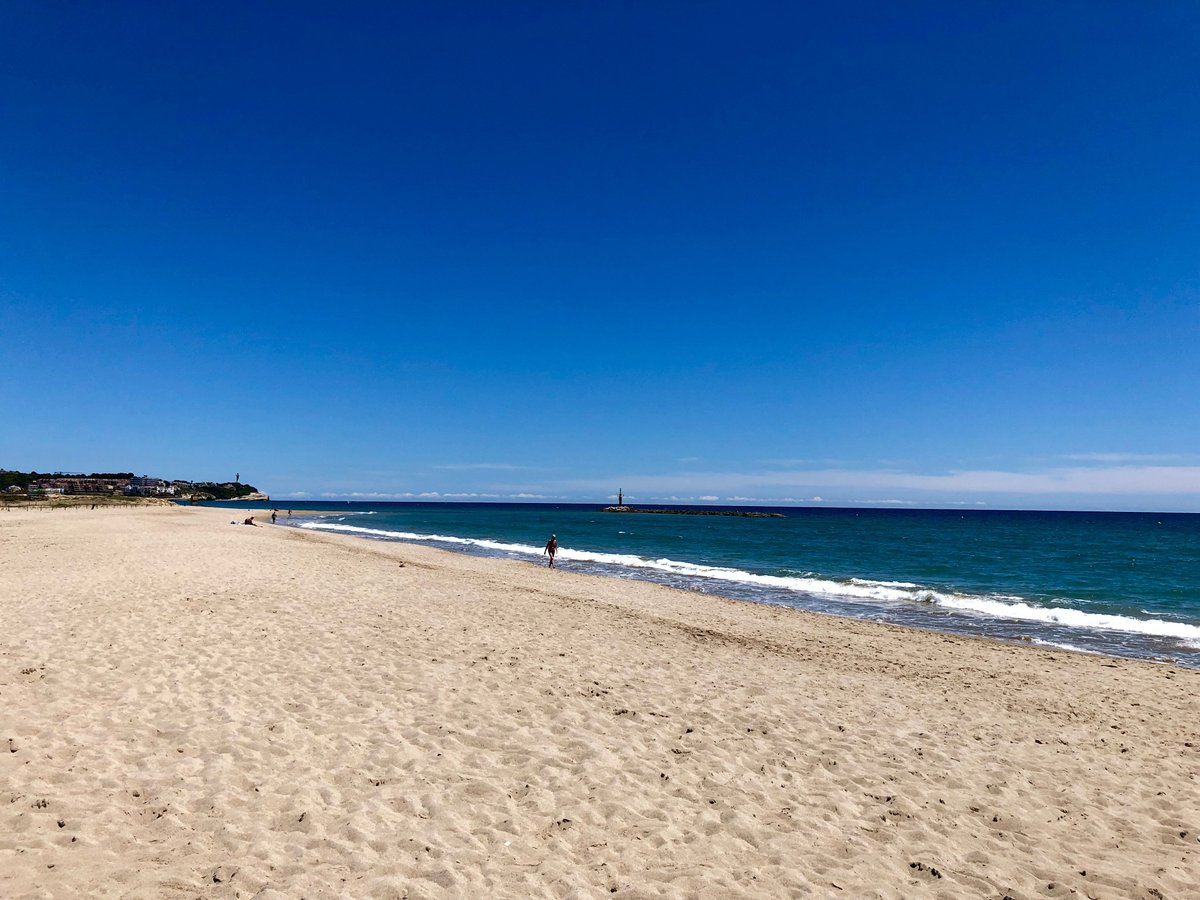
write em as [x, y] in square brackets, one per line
[924, 254]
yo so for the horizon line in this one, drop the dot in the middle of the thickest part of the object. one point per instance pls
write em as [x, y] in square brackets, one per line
[852, 507]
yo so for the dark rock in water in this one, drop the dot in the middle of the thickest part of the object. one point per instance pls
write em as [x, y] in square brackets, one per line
[742, 513]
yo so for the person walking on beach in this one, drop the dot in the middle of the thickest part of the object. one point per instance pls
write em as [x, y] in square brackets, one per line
[273, 514]
[551, 549]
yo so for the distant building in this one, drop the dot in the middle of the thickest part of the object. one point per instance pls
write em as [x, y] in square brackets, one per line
[145, 486]
[77, 484]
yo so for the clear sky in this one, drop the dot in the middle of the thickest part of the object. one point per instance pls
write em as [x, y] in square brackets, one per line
[923, 253]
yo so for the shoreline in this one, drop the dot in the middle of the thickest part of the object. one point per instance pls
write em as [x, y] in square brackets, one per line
[280, 712]
[1110, 641]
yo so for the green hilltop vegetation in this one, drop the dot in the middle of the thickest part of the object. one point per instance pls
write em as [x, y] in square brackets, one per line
[226, 490]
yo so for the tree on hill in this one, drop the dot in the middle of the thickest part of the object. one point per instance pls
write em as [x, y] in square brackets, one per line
[20, 479]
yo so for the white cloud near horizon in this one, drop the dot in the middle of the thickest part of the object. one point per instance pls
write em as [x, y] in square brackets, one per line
[413, 495]
[1072, 480]
[1113, 484]
[796, 463]
[1126, 457]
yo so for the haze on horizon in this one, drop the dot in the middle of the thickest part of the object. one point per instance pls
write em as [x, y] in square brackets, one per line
[851, 254]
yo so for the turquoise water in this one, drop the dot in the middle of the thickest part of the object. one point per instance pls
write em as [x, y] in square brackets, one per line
[1125, 584]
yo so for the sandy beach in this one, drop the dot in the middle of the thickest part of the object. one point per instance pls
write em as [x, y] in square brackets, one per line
[194, 709]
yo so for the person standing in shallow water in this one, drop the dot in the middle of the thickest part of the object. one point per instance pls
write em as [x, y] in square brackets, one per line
[551, 549]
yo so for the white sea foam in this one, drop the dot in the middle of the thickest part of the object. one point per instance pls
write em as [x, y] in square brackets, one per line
[999, 606]
[1063, 645]
[431, 538]
[1071, 618]
[898, 584]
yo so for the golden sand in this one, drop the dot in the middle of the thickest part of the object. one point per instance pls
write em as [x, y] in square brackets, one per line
[194, 709]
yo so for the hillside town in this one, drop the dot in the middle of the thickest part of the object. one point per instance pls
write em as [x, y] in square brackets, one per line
[35, 486]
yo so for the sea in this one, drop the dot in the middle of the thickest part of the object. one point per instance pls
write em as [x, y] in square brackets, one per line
[1113, 583]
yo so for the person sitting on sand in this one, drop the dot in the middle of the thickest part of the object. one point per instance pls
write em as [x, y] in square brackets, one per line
[551, 549]
[250, 521]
